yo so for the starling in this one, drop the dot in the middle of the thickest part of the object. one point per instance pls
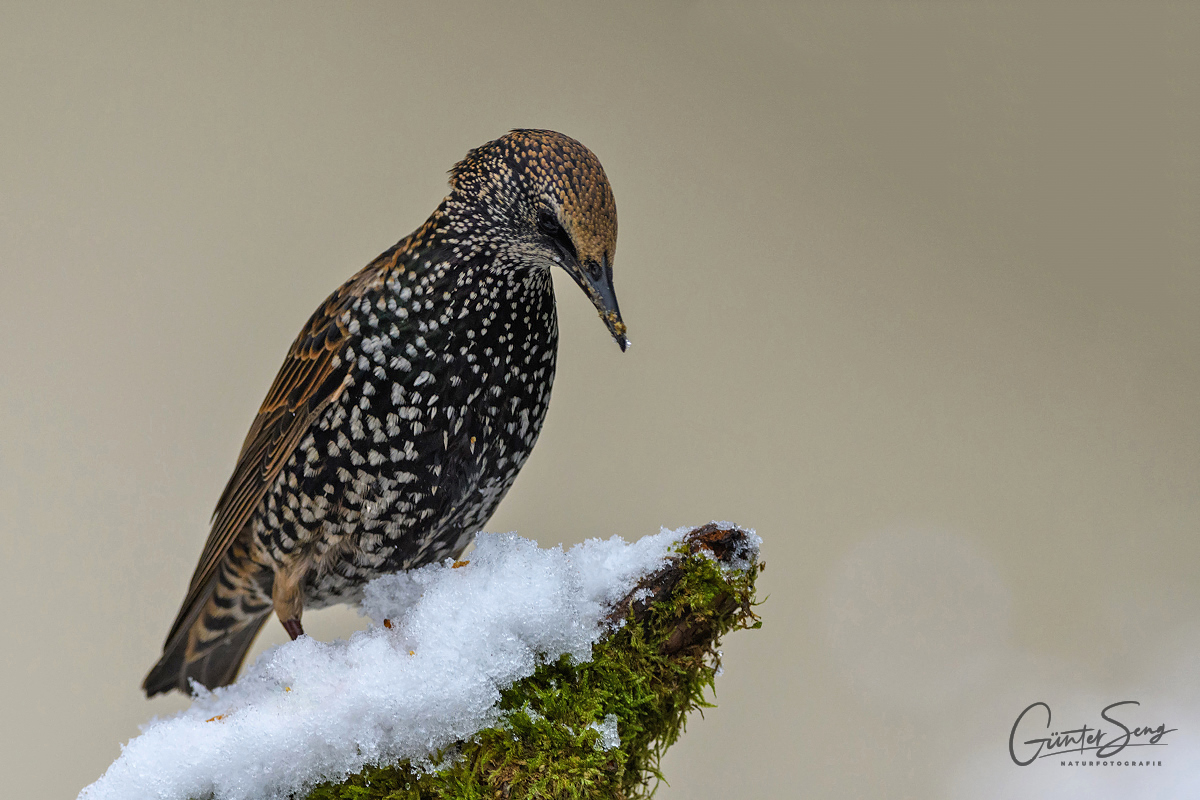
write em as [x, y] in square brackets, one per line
[406, 405]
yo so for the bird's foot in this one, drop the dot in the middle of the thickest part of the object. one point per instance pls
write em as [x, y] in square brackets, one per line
[292, 626]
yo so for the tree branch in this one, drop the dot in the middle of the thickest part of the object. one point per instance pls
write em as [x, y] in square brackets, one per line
[560, 734]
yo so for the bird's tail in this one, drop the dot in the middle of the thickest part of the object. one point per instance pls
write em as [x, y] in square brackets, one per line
[209, 643]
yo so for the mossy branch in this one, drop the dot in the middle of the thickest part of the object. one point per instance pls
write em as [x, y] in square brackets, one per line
[646, 676]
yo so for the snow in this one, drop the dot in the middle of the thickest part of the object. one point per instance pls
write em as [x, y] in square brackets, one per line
[309, 711]
[610, 737]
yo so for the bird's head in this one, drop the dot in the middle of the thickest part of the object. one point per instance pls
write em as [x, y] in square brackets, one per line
[551, 196]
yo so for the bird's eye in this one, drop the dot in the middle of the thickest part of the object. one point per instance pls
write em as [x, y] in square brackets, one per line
[594, 271]
[547, 224]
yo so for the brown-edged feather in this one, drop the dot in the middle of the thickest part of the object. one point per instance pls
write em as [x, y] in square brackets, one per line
[311, 377]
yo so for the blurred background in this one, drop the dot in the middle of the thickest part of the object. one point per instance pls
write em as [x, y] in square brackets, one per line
[912, 290]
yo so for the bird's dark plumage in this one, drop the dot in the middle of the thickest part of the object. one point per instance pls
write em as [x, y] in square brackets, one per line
[406, 405]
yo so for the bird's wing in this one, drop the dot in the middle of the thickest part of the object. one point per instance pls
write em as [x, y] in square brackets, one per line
[312, 376]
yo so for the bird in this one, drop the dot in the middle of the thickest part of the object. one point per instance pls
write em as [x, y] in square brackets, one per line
[406, 405]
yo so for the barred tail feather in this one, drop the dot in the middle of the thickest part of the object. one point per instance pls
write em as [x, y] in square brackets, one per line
[209, 644]
[216, 667]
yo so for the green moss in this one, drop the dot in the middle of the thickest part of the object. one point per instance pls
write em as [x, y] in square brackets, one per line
[650, 674]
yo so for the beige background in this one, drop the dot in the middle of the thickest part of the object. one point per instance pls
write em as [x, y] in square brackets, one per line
[912, 289]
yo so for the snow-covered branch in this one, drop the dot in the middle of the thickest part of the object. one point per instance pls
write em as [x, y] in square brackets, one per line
[522, 673]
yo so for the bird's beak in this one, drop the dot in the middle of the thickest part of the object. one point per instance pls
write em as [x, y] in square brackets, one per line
[600, 290]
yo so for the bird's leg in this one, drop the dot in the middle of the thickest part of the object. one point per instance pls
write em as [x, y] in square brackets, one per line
[288, 597]
[293, 627]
